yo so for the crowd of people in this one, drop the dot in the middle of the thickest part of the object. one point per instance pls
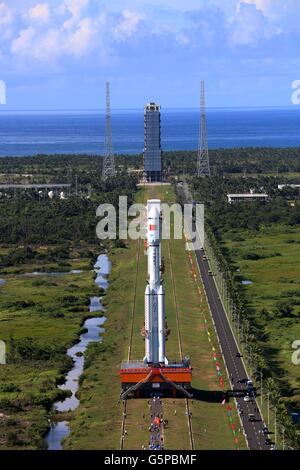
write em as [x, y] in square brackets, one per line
[157, 425]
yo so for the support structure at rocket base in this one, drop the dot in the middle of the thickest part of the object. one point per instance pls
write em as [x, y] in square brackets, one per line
[155, 374]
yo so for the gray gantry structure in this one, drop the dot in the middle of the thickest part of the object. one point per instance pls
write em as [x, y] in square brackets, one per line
[152, 143]
[203, 167]
[108, 169]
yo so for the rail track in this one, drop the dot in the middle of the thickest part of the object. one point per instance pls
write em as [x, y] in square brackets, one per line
[187, 406]
[130, 341]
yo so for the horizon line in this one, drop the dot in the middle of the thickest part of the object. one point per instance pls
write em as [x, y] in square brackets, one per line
[3, 110]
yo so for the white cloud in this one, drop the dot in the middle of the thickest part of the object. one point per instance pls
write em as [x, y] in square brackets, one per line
[76, 27]
[79, 41]
[272, 8]
[23, 43]
[74, 8]
[248, 27]
[263, 5]
[53, 43]
[40, 12]
[128, 24]
[48, 47]
[279, 12]
[6, 15]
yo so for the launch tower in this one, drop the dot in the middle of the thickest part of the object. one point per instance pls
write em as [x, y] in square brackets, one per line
[152, 143]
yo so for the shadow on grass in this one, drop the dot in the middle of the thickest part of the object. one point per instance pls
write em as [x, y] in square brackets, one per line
[209, 396]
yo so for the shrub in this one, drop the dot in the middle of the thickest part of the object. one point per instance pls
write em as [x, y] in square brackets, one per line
[252, 256]
[284, 309]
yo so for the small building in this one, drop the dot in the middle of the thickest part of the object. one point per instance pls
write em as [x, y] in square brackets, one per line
[247, 197]
[292, 186]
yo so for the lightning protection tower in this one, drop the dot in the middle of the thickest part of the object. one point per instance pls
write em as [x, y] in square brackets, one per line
[108, 161]
[203, 168]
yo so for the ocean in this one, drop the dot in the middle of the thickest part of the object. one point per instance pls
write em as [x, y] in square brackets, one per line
[82, 132]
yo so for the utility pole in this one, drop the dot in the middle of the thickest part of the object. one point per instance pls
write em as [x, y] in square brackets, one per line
[250, 357]
[283, 433]
[261, 389]
[261, 386]
[108, 160]
[275, 427]
[203, 167]
[268, 408]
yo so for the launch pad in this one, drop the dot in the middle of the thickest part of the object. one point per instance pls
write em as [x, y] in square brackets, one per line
[155, 374]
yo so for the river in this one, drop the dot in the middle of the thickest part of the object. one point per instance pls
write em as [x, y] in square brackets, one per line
[59, 430]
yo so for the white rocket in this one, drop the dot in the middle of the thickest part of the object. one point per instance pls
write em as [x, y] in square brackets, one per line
[154, 294]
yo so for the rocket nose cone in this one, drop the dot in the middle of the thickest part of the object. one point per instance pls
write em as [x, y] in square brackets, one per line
[161, 290]
[153, 213]
[147, 291]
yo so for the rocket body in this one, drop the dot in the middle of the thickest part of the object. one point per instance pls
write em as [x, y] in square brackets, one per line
[154, 294]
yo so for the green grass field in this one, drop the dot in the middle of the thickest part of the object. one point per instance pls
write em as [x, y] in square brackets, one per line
[275, 278]
[40, 317]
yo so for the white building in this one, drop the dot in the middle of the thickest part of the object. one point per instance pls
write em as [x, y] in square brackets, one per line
[247, 197]
[293, 186]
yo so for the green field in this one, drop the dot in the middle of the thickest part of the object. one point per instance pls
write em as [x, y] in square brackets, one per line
[275, 278]
[40, 317]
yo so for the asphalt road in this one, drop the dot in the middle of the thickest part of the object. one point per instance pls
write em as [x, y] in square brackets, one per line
[235, 366]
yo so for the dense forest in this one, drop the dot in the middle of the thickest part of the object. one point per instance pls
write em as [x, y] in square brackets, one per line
[221, 215]
[276, 161]
[237, 161]
[28, 218]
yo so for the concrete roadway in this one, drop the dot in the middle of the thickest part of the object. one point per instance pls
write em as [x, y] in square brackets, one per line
[235, 365]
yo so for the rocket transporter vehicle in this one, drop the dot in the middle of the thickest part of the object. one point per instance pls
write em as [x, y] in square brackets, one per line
[155, 373]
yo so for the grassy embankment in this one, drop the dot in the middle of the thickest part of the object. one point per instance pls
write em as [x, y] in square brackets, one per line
[40, 317]
[97, 422]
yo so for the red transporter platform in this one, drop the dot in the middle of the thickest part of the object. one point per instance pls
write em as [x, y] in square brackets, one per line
[155, 373]
[140, 380]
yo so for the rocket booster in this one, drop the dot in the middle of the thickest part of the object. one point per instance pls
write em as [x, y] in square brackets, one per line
[154, 294]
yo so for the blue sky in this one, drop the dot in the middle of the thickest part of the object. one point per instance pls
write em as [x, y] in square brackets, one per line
[58, 54]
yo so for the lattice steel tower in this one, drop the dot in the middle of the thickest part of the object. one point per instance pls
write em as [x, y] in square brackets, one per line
[108, 160]
[203, 168]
